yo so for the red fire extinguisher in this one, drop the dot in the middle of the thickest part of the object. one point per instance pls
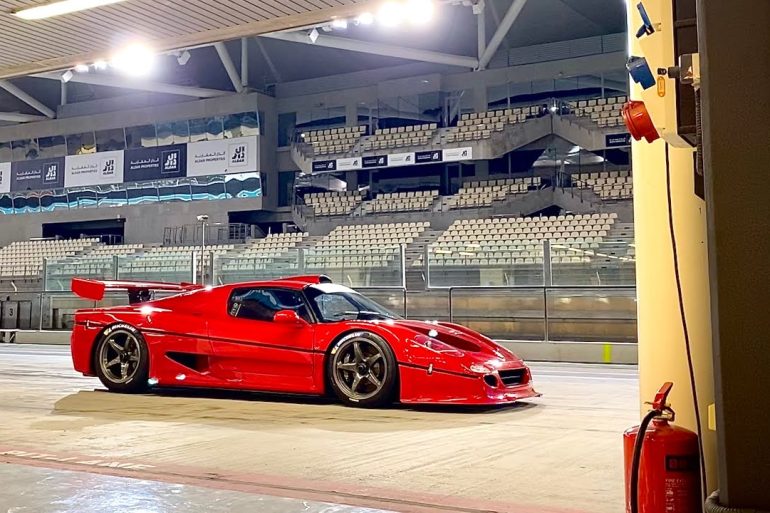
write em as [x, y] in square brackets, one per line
[662, 467]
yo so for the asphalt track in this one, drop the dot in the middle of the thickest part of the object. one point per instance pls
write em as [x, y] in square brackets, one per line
[65, 441]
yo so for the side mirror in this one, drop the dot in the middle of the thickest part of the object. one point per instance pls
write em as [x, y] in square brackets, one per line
[288, 317]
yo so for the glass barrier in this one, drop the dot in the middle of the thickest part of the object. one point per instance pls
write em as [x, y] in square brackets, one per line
[592, 314]
[381, 268]
[174, 267]
[500, 313]
[602, 263]
[505, 264]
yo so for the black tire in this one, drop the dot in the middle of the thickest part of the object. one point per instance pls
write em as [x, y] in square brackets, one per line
[122, 360]
[362, 371]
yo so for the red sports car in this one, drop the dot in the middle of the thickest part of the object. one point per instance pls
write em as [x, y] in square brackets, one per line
[300, 335]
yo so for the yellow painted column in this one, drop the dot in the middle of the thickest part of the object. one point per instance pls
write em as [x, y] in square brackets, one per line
[662, 354]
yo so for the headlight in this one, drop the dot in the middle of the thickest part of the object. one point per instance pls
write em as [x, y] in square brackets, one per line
[479, 368]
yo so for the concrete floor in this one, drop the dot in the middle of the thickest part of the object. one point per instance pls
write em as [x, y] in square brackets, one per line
[557, 454]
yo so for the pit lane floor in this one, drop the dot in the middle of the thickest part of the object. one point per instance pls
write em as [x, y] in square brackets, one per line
[61, 434]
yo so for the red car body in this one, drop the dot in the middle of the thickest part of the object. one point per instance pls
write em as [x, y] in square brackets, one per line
[193, 341]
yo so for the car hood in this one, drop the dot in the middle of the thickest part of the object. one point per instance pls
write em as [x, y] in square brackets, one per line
[468, 343]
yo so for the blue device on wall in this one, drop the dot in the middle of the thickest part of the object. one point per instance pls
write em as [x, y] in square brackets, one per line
[646, 28]
[640, 71]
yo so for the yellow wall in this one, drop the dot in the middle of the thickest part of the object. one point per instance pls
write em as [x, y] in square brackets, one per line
[662, 354]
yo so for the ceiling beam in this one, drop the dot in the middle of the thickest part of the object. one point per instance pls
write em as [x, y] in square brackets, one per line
[27, 98]
[399, 52]
[15, 117]
[502, 30]
[269, 60]
[137, 85]
[229, 65]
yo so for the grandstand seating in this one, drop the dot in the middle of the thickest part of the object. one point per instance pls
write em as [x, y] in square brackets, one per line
[605, 112]
[334, 140]
[507, 241]
[484, 193]
[400, 137]
[333, 203]
[609, 185]
[401, 202]
[481, 125]
[360, 246]
[22, 260]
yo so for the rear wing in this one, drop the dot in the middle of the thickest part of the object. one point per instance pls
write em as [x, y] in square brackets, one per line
[138, 291]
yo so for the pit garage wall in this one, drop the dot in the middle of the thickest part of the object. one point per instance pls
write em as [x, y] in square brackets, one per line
[734, 41]
[662, 355]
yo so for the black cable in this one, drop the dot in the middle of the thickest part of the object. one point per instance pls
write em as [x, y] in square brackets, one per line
[688, 348]
[633, 485]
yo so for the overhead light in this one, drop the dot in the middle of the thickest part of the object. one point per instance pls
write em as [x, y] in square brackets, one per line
[391, 14]
[183, 58]
[419, 12]
[135, 60]
[340, 23]
[81, 68]
[58, 8]
[365, 18]
[100, 65]
[313, 35]
[67, 76]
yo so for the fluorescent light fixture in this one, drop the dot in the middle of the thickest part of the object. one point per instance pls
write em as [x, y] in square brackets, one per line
[58, 8]
[81, 68]
[136, 60]
[100, 65]
[67, 76]
[391, 14]
[340, 23]
[365, 18]
[419, 12]
[313, 35]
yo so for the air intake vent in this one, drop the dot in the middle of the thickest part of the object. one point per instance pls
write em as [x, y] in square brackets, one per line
[513, 377]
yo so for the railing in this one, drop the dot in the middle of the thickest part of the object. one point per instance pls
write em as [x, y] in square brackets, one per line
[546, 298]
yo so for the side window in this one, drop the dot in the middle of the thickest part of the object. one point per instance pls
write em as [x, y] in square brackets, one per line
[262, 304]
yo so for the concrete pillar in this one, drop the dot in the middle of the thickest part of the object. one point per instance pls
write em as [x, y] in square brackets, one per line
[351, 114]
[662, 354]
[733, 42]
[480, 101]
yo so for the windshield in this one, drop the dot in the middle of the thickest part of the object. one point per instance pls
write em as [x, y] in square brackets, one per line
[341, 304]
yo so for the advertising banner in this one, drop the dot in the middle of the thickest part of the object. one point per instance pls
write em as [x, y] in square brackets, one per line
[5, 177]
[94, 169]
[616, 140]
[456, 154]
[349, 164]
[428, 157]
[155, 163]
[37, 174]
[239, 155]
[324, 166]
[374, 161]
[401, 159]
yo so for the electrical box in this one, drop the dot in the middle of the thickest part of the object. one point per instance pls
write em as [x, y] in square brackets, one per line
[671, 105]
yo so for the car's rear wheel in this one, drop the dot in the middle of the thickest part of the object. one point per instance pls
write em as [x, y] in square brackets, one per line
[122, 360]
[362, 370]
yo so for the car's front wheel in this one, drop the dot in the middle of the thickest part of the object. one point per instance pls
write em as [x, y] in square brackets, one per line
[122, 360]
[362, 370]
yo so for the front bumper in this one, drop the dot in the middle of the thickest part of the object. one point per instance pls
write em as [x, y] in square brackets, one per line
[419, 385]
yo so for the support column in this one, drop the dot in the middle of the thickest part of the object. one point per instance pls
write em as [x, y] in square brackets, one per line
[351, 114]
[662, 352]
[733, 42]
